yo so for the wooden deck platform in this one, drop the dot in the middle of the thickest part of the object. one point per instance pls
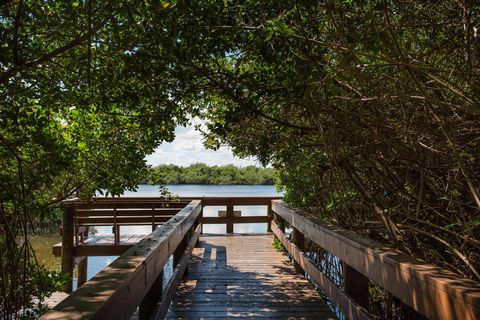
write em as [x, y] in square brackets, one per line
[54, 299]
[101, 245]
[232, 276]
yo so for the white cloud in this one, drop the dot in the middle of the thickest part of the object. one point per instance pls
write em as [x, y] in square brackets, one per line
[187, 148]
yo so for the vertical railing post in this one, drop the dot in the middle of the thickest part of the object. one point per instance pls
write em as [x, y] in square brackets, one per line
[116, 227]
[153, 217]
[279, 222]
[200, 217]
[82, 271]
[229, 215]
[299, 240]
[67, 244]
[178, 253]
[356, 285]
[151, 299]
[270, 217]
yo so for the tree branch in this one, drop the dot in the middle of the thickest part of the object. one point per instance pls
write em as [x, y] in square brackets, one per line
[5, 76]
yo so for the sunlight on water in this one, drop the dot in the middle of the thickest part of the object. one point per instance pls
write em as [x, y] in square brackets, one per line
[42, 245]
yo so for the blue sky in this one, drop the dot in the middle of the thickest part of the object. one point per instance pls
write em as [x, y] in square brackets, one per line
[188, 148]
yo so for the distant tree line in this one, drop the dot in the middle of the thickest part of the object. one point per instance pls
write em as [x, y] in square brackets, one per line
[200, 173]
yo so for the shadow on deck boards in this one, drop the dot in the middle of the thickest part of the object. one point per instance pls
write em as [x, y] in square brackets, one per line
[232, 276]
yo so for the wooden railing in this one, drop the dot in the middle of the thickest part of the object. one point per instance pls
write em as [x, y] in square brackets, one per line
[149, 254]
[230, 216]
[430, 290]
[79, 216]
[119, 212]
[135, 278]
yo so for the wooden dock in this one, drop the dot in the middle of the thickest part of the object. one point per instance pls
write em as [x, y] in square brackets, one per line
[232, 276]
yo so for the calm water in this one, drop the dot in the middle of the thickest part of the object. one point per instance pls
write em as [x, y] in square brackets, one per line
[191, 190]
[95, 264]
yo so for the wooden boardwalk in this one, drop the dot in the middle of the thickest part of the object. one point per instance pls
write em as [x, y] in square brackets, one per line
[232, 276]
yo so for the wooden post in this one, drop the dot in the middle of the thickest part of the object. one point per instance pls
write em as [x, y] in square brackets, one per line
[298, 239]
[116, 228]
[356, 285]
[82, 271]
[279, 221]
[67, 244]
[151, 299]
[200, 219]
[153, 217]
[178, 253]
[197, 221]
[229, 215]
[270, 216]
[84, 234]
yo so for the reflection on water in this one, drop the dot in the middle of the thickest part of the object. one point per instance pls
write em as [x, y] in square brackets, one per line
[42, 244]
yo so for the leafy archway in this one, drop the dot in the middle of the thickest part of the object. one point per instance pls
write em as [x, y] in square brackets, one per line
[368, 109]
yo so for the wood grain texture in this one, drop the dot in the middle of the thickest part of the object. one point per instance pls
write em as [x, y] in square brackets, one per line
[103, 245]
[116, 291]
[175, 280]
[345, 303]
[232, 276]
[67, 249]
[433, 291]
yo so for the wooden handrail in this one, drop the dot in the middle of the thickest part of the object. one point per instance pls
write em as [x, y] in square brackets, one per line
[155, 211]
[230, 218]
[110, 212]
[117, 291]
[172, 285]
[117, 212]
[349, 307]
[435, 292]
[238, 201]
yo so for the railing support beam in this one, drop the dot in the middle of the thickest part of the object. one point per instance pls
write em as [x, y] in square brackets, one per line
[82, 271]
[68, 245]
[299, 240]
[270, 217]
[229, 214]
[178, 253]
[279, 223]
[356, 285]
[151, 299]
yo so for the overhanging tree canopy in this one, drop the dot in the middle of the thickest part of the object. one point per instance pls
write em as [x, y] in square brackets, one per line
[85, 96]
[368, 109]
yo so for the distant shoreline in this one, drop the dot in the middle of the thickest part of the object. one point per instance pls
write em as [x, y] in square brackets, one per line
[202, 174]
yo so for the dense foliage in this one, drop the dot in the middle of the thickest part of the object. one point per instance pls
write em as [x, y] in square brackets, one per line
[369, 110]
[82, 102]
[200, 173]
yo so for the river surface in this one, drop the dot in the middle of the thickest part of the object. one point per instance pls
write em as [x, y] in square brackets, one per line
[43, 243]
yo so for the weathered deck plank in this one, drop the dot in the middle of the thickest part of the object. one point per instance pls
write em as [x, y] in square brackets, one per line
[233, 276]
[54, 299]
[102, 245]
